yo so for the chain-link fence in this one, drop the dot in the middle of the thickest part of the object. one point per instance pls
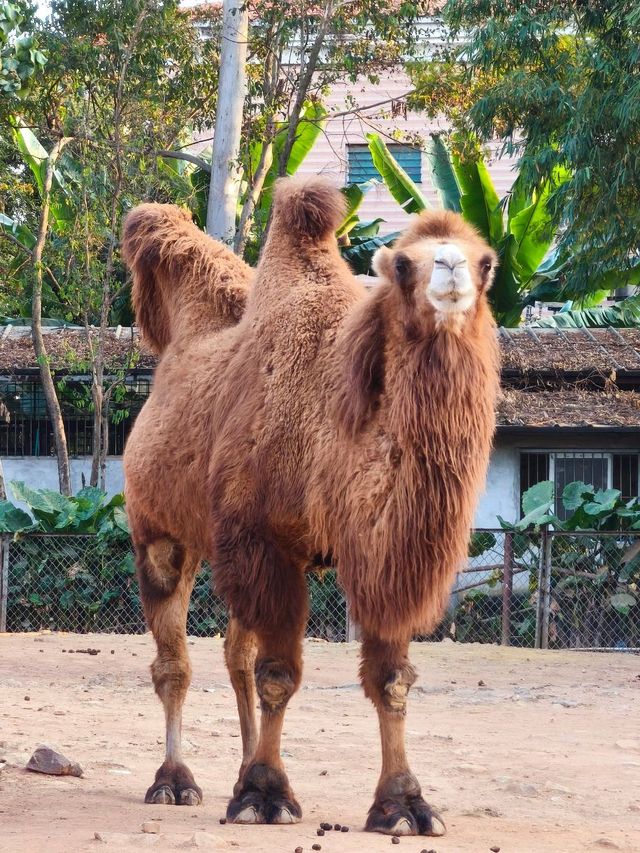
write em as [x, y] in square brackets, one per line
[549, 590]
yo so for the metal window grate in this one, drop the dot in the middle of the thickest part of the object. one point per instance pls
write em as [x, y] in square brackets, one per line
[27, 431]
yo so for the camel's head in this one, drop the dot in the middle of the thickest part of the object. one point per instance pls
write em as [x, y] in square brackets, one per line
[441, 266]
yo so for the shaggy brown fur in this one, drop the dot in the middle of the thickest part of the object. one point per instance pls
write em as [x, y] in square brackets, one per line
[327, 420]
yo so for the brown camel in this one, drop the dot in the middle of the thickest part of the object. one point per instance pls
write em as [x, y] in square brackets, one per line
[327, 421]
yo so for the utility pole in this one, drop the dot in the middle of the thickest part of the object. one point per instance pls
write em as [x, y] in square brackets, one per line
[225, 174]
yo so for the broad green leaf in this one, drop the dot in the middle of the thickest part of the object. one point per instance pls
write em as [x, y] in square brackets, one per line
[36, 156]
[481, 542]
[399, 184]
[622, 601]
[354, 195]
[23, 234]
[40, 500]
[574, 495]
[479, 201]
[443, 176]
[360, 255]
[13, 519]
[540, 495]
[623, 315]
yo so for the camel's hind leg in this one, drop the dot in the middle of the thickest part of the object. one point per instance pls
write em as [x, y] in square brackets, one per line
[398, 807]
[240, 651]
[166, 573]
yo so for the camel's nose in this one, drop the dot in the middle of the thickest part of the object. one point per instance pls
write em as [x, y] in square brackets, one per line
[449, 256]
[450, 289]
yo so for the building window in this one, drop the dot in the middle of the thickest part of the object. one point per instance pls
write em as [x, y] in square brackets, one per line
[597, 468]
[361, 168]
[25, 429]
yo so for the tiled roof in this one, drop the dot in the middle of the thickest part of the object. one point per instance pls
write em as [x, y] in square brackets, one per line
[551, 378]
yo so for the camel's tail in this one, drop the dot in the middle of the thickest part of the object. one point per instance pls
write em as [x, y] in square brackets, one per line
[308, 207]
[178, 271]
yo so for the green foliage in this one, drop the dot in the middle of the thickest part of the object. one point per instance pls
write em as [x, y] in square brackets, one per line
[558, 83]
[595, 569]
[89, 511]
[20, 58]
[623, 315]
[399, 184]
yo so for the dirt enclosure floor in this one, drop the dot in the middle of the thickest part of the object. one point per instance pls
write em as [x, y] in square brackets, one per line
[521, 750]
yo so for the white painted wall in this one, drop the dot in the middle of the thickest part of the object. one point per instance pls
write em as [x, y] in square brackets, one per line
[42, 472]
[502, 493]
[501, 496]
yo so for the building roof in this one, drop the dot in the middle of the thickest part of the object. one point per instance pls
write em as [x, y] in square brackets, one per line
[552, 378]
[563, 352]
[570, 407]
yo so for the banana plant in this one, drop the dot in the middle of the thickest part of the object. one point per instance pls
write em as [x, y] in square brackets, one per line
[520, 227]
[622, 315]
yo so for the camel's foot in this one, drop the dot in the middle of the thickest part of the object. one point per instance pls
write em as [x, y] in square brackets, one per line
[174, 786]
[400, 810]
[263, 796]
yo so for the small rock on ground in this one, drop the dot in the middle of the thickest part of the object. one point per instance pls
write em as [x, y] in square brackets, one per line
[151, 826]
[47, 760]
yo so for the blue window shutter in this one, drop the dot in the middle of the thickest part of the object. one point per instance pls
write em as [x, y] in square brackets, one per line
[361, 166]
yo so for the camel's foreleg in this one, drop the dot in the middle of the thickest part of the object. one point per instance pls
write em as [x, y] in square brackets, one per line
[166, 573]
[398, 807]
[240, 651]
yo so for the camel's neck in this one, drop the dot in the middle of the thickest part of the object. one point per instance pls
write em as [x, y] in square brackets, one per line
[440, 394]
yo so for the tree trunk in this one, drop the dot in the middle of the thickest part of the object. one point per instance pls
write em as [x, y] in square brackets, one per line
[46, 378]
[225, 172]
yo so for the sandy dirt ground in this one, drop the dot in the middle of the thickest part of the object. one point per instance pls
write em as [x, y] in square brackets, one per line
[544, 755]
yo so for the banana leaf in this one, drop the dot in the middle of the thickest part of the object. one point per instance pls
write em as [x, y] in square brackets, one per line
[36, 156]
[443, 176]
[479, 201]
[399, 184]
[623, 315]
[359, 255]
[354, 195]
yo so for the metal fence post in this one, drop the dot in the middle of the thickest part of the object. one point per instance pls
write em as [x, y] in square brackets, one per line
[507, 588]
[4, 581]
[544, 591]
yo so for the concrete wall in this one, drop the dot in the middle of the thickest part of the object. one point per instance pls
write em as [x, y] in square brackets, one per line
[502, 493]
[42, 472]
[499, 498]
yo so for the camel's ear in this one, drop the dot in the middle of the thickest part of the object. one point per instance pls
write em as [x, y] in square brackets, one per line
[363, 361]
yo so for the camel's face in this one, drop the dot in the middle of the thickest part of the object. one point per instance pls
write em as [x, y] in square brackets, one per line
[445, 276]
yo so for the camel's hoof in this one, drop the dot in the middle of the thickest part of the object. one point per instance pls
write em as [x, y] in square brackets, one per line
[400, 810]
[190, 797]
[174, 785]
[162, 796]
[263, 796]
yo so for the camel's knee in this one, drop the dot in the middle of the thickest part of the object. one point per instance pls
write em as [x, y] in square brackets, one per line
[159, 566]
[396, 689]
[386, 674]
[171, 676]
[276, 682]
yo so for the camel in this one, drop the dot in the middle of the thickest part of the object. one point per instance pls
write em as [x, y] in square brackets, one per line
[327, 421]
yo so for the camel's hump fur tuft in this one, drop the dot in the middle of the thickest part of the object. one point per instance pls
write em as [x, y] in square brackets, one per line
[184, 282]
[308, 207]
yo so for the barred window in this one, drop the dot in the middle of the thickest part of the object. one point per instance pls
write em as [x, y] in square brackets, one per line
[601, 469]
[26, 430]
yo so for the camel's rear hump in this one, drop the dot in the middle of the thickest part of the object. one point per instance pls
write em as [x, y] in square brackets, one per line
[184, 282]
